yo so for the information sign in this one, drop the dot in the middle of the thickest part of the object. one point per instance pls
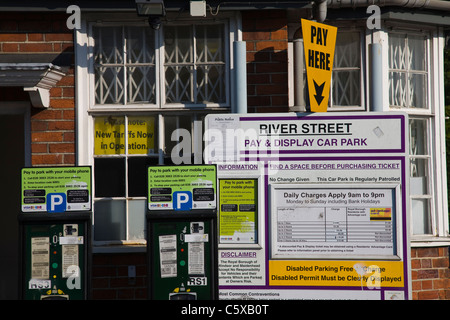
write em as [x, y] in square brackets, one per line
[238, 210]
[56, 189]
[182, 188]
[114, 136]
[332, 205]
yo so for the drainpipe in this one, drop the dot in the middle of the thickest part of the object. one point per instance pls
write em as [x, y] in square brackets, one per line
[240, 71]
[376, 78]
[299, 83]
[423, 4]
[320, 10]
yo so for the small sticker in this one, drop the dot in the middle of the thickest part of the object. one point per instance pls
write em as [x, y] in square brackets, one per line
[168, 255]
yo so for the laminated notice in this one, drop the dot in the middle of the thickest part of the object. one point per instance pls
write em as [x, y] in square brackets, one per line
[168, 255]
[196, 253]
[40, 258]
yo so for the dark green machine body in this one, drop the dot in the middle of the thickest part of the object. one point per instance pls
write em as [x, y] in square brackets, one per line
[55, 254]
[182, 251]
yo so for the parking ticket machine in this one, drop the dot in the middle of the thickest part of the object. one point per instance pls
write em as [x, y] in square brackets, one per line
[181, 233]
[55, 227]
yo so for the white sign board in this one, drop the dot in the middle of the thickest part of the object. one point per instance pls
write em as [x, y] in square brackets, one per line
[329, 199]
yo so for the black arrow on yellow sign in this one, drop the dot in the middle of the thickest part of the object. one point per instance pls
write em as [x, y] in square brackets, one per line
[319, 89]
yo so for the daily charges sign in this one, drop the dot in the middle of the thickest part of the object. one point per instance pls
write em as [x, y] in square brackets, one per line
[182, 188]
[319, 42]
[56, 189]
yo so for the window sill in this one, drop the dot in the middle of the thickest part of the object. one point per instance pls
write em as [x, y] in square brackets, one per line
[120, 248]
[430, 241]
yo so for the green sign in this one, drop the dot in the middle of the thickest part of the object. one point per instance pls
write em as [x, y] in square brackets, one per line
[182, 188]
[238, 210]
[56, 189]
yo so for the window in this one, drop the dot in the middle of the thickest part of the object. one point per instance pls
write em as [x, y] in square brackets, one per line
[125, 65]
[194, 64]
[408, 76]
[420, 188]
[346, 89]
[144, 84]
[408, 90]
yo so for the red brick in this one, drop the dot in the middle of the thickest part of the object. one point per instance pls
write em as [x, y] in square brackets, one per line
[48, 114]
[58, 37]
[427, 295]
[427, 252]
[441, 263]
[13, 37]
[39, 125]
[69, 159]
[61, 125]
[36, 47]
[427, 274]
[10, 47]
[61, 148]
[271, 45]
[47, 136]
[39, 147]
[35, 37]
[46, 159]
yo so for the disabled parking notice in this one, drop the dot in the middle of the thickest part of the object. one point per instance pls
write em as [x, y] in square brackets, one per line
[56, 189]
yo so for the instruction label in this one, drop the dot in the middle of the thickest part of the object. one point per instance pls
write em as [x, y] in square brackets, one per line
[40, 258]
[182, 187]
[332, 222]
[168, 255]
[56, 189]
[238, 210]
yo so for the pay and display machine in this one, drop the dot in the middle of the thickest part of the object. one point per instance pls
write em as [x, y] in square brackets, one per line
[181, 233]
[55, 227]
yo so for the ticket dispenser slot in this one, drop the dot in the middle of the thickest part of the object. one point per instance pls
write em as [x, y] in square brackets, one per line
[183, 254]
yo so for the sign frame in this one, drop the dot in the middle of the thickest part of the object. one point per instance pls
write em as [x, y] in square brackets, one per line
[368, 149]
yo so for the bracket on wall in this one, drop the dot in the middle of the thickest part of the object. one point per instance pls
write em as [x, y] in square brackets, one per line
[35, 78]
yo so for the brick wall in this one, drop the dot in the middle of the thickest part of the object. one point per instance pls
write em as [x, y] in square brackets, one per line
[430, 273]
[110, 277]
[52, 129]
[266, 35]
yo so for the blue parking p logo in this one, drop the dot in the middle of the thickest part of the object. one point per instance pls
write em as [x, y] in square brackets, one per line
[56, 202]
[182, 200]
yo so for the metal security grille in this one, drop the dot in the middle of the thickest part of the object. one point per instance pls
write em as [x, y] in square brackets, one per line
[346, 89]
[194, 64]
[408, 70]
[124, 64]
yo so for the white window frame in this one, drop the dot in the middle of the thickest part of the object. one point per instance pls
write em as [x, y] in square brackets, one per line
[362, 53]
[435, 116]
[86, 109]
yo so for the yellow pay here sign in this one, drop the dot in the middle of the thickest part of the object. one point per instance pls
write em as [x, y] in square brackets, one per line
[319, 41]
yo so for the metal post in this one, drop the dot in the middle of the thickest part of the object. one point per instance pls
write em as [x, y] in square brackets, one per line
[240, 71]
[299, 84]
[376, 81]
